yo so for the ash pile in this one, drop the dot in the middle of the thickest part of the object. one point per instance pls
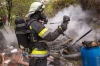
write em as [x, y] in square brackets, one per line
[67, 50]
[9, 51]
[67, 45]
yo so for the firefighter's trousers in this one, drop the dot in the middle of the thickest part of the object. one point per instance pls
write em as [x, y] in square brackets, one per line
[38, 62]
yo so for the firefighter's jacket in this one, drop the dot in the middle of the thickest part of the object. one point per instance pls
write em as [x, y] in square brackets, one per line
[39, 33]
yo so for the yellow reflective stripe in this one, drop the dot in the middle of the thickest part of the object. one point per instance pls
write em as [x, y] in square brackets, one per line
[30, 27]
[35, 51]
[60, 27]
[43, 32]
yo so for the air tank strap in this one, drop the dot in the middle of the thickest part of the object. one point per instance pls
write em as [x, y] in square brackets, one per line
[22, 32]
[21, 25]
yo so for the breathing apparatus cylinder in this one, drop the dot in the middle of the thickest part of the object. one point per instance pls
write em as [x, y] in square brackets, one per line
[21, 33]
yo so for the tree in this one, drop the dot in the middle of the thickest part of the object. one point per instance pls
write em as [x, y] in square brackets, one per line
[19, 7]
[9, 8]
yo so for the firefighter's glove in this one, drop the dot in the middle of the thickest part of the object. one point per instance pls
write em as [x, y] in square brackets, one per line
[62, 27]
[66, 19]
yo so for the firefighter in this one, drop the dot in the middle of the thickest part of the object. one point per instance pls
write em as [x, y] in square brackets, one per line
[38, 34]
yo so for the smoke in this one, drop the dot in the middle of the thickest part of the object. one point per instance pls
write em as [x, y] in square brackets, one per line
[9, 36]
[76, 28]
[77, 25]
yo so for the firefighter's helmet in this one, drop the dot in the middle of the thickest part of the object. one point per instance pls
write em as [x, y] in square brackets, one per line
[34, 7]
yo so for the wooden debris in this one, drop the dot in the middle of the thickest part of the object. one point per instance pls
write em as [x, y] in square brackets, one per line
[67, 41]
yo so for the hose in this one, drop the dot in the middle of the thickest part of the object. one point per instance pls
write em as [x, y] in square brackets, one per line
[72, 55]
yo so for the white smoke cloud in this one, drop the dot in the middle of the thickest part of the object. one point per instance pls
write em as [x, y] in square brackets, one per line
[9, 35]
[77, 25]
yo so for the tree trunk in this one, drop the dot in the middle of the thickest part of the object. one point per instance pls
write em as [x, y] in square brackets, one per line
[9, 8]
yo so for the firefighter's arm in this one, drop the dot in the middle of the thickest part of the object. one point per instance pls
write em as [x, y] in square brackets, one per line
[45, 33]
[50, 36]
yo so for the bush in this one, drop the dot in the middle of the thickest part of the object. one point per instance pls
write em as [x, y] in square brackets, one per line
[57, 5]
[93, 5]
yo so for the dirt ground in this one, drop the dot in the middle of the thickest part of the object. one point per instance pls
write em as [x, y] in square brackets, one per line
[74, 63]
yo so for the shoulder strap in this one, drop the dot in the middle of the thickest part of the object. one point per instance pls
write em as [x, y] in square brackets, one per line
[32, 31]
[30, 21]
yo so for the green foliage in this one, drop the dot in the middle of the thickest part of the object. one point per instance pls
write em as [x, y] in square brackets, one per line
[21, 7]
[93, 5]
[57, 5]
[49, 8]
